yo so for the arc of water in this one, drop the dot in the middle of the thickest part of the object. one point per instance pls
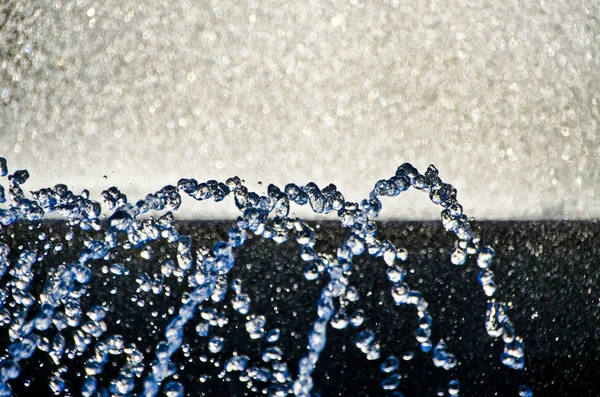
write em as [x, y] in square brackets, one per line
[256, 209]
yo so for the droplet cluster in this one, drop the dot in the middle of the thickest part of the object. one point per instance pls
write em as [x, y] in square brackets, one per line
[59, 305]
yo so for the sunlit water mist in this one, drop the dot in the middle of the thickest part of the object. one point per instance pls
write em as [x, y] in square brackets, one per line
[51, 313]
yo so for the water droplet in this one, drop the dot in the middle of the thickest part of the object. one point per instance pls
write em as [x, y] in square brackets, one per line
[216, 344]
[453, 387]
[357, 318]
[391, 382]
[390, 364]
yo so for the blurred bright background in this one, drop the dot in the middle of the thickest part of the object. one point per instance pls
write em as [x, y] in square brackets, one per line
[501, 96]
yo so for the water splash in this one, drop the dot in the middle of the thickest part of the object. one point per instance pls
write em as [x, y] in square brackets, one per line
[59, 304]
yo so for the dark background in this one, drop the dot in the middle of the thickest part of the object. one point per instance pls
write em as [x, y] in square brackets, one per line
[547, 271]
